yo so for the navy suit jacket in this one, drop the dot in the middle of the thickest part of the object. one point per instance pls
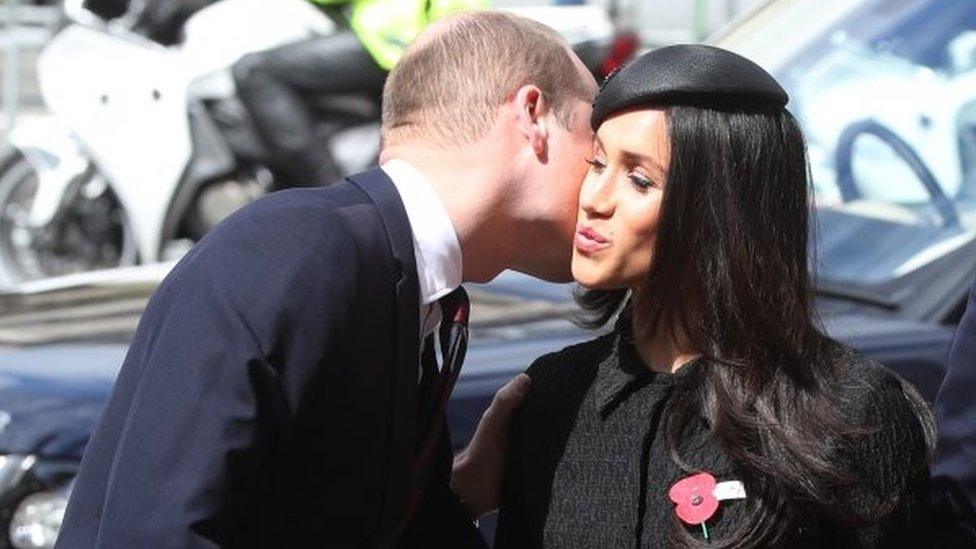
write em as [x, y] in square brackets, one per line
[954, 471]
[268, 398]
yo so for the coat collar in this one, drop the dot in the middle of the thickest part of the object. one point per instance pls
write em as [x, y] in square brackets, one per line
[436, 247]
[378, 186]
[622, 371]
[380, 189]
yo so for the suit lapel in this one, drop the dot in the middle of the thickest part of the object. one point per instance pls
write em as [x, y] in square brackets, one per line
[378, 186]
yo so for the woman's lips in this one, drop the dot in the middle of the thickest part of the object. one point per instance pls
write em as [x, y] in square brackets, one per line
[589, 241]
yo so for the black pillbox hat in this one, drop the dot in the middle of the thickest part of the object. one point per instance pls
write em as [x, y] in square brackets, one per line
[693, 75]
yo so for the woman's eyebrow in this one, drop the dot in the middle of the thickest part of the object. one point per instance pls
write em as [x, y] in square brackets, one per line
[638, 158]
[635, 157]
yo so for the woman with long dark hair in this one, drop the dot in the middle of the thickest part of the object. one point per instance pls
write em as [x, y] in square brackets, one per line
[716, 413]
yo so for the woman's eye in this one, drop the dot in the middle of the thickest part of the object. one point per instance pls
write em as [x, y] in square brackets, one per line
[641, 182]
[596, 164]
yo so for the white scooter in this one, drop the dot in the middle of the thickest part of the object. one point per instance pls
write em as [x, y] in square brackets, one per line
[148, 146]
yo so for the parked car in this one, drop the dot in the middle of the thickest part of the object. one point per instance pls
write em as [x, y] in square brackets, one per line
[880, 88]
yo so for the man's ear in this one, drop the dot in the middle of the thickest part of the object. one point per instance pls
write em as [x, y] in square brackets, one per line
[531, 109]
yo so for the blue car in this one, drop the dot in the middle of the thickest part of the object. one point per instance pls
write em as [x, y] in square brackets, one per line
[886, 93]
[66, 342]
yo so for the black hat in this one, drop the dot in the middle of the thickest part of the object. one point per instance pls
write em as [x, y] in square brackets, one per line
[694, 75]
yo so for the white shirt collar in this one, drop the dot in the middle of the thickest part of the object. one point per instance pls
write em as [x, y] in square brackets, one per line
[435, 242]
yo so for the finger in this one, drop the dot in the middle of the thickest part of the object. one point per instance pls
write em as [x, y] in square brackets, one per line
[507, 399]
[494, 421]
[511, 395]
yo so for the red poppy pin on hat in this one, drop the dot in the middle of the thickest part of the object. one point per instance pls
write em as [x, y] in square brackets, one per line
[696, 497]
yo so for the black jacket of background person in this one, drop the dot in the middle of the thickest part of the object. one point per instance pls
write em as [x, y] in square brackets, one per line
[954, 472]
[269, 395]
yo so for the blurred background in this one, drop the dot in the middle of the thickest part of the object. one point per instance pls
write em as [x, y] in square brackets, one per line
[27, 25]
[130, 89]
[129, 129]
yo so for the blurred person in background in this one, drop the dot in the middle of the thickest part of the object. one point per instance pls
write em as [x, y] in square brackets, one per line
[160, 20]
[277, 85]
[717, 413]
[954, 471]
[107, 9]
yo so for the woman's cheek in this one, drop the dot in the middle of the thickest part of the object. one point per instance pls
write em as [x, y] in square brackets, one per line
[641, 230]
[645, 222]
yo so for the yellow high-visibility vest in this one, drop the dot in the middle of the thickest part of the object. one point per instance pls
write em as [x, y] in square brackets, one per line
[387, 27]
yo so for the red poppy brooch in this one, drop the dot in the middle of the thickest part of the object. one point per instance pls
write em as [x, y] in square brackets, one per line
[696, 497]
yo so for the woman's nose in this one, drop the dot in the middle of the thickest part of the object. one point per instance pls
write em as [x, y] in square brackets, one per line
[596, 195]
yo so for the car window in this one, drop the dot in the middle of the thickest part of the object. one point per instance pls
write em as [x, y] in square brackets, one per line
[886, 93]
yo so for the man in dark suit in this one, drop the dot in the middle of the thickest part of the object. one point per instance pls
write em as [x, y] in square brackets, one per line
[270, 395]
[954, 470]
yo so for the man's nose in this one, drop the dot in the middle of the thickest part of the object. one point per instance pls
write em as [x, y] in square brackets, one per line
[597, 195]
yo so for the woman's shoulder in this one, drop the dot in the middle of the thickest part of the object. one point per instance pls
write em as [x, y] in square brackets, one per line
[572, 363]
[890, 448]
[561, 379]
[894, 423]
[870, 391]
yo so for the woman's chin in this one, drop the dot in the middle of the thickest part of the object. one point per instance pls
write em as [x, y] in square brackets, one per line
[594, 279]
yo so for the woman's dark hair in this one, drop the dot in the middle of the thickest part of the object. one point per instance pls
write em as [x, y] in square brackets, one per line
[731, 271]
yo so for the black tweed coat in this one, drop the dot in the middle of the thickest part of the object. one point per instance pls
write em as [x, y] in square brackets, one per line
[590, 463]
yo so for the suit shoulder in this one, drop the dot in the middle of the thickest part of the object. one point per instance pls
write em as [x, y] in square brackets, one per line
[295, 211]
[298, 224]
[292, 240]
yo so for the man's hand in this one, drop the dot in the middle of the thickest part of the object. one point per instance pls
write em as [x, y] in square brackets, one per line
[479, 469]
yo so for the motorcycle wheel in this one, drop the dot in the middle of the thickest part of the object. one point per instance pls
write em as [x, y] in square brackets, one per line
[91, 233]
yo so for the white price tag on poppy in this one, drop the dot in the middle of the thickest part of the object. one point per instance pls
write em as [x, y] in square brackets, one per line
[730, 489]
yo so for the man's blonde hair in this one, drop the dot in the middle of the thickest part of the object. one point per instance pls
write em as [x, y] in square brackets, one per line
[452, 80]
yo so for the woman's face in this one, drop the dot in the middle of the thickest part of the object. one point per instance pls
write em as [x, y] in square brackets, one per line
[620, 200]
